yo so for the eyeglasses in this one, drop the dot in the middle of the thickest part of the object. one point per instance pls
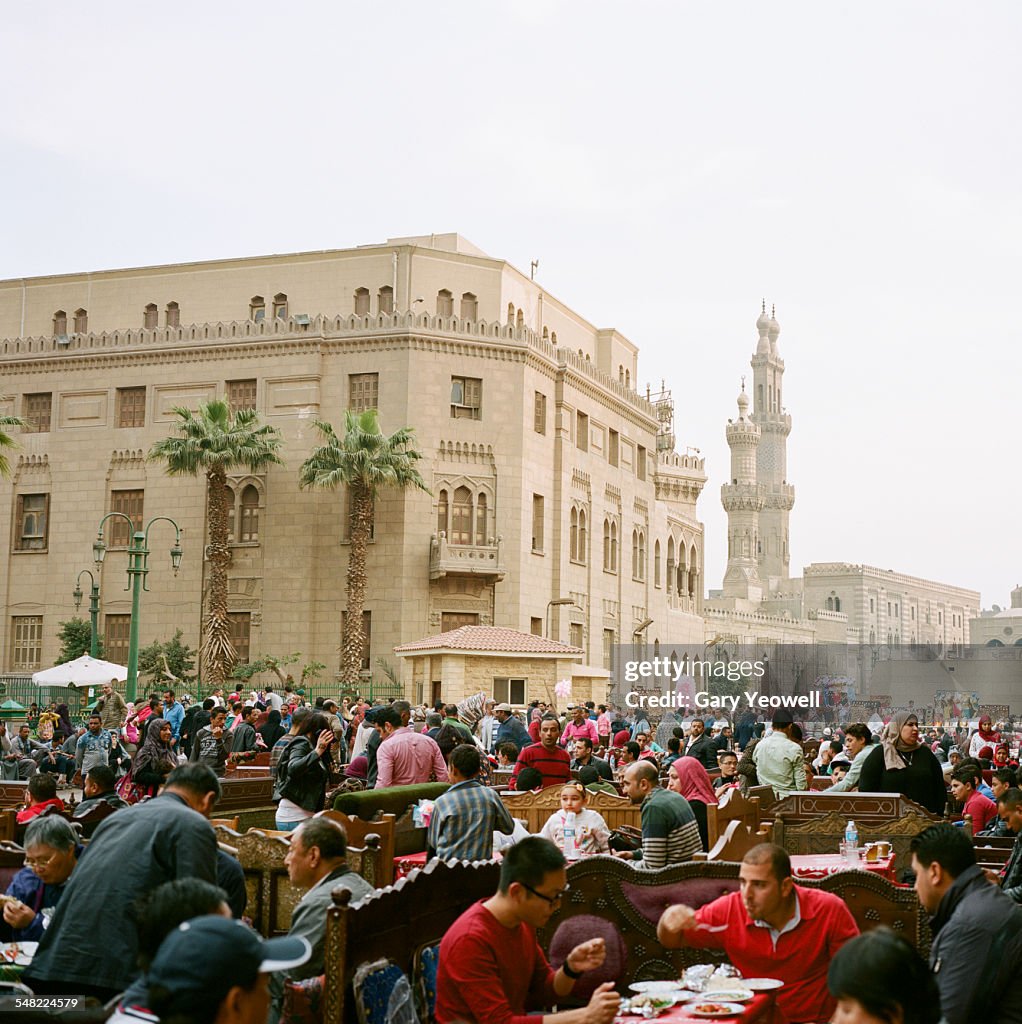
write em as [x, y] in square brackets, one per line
[556, 898]
[39, 862]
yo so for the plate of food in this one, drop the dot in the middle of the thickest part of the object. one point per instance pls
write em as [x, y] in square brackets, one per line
[762, 984]
[735, 994]
[647, 1004]
[714, 1008]
[658, 987]
[19, 953]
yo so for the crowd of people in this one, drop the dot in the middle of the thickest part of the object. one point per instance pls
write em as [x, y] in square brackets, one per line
[82, 902]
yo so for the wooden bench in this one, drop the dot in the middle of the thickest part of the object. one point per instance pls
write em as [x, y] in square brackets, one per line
[239, 793]
[12, 860]
[358, 831]
[271, 895]
[732, 806]
[611, 899]
[395, 923]
[13, 793]
[536, 808]
[734, 843]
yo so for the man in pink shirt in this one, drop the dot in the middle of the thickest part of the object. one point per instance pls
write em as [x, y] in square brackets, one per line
[581, 725]
[405, 757]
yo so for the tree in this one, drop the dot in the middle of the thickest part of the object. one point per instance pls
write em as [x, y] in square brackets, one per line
[364, 460]
[271, 663]
[75, 638]
[213, 442]
[7, 443]
[172, 657]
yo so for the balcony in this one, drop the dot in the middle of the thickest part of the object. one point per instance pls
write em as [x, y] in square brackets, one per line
[484, 561]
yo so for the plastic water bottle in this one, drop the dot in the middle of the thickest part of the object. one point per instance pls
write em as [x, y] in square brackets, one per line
[851, 843]
[570, 848]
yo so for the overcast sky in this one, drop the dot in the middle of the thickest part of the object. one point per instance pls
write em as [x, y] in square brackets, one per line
[669, 164]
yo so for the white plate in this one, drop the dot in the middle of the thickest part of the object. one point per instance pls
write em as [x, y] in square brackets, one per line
[762, 984]
[658, 987]
[724, 995]
[26, 950]
[733, 1009]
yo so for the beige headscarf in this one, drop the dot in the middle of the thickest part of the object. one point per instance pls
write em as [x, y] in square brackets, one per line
[892, 742]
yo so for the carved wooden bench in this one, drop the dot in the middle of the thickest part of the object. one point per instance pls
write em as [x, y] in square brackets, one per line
[734, 843]
[13, 793]
[239, 793]
[536, 808]
[732, 805]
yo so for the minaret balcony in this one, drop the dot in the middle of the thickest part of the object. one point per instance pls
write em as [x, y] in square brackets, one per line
[743, 497]
[479, 560]
[780, 496]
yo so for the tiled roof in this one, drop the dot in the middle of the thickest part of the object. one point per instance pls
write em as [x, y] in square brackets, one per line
[490, 638]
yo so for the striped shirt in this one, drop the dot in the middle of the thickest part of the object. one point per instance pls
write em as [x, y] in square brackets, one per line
[554, 765]
[464, 820]
[670, 834]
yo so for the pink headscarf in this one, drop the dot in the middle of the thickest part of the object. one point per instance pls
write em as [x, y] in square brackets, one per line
[694, 780]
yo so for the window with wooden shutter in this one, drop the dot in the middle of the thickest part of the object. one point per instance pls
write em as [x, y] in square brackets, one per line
[241, 634]
[116, 636]
[131, 503]
[27, 645]
[539, 423]
[241, 394]
[36, 412]
[33, 519]
[131, 407]
[466, 398]
[363, 391]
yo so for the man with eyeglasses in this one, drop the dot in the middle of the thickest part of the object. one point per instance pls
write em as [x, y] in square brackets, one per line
[493, 971]
[51, 853]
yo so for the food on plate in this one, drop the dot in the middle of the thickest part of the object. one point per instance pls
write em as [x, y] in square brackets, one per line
[712, 1008]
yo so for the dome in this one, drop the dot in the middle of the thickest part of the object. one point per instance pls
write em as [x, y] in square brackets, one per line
[763, 321]
[743, 404]
[775, 327]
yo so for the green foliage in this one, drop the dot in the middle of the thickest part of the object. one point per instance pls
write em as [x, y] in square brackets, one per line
[277, 665]
[75, 637]
[8, 442]
[388, 670]
[172, 655]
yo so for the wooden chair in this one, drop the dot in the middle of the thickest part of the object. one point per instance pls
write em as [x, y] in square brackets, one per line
[731, 806]
[734, 843]
[231, 823]
[395, 923]
[358, 830]
[91, 820]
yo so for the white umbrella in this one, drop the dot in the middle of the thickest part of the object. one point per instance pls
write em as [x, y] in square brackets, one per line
[83, 671]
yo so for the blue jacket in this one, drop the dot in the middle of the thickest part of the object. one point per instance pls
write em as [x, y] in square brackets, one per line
[512, 731]
[175, 715]
[27, 887]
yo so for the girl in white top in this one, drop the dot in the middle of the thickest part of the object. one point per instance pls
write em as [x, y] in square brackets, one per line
[591, 832]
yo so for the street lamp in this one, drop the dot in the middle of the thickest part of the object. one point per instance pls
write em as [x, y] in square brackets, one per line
[93, 608]
[550, 604]
[138, 569]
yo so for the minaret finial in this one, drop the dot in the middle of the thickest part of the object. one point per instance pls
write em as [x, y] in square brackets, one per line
[743, 383]
[763, 308]
[773, 311]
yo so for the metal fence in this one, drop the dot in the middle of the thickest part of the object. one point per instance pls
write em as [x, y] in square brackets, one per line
[25, 692]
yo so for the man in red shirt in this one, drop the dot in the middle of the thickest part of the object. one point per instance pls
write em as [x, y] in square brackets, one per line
[493, 971]
[980, 808]
[775, 929]
[549, 759]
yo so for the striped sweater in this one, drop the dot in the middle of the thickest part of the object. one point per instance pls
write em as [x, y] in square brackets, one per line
[670, 834]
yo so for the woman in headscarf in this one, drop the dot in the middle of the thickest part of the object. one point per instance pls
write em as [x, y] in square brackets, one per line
[271, 730]
[902, 764]
[1002, 757]
[155, 759]
[984, 736]
[63, 728]
[688, 777]
[669, 721]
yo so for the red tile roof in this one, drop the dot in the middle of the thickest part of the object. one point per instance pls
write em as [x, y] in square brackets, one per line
[490, 639]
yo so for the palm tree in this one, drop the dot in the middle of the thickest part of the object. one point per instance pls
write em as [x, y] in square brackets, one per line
[213, 442]
[364, 460]
[7, 442]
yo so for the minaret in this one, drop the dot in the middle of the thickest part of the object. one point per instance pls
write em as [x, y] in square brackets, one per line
[742, 500]
[772, 455]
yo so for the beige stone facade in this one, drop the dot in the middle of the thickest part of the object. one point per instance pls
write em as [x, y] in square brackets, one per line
[553, 479]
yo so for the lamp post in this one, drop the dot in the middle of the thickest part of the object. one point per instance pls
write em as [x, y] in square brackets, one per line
[138, 569]
[549, 605]
[93, 608]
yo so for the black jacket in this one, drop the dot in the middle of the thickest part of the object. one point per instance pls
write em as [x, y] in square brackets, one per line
[704, 750]
[1012, 882]
[302, 775]
[922, 780]
[977, 947]
[601, 766]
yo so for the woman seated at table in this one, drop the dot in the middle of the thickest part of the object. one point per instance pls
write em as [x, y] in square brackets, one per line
[591, 832]
[688, 777]
[880, 977]
[900, 763]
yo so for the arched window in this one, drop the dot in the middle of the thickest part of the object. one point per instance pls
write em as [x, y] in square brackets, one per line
[573, 535]
[481, 519]
[830, 604]
[59, 323]
[628, 378]
[444, 303]
[546, 333]
[257, 308]
[670, 565]
[583, 536]
[249, 514]
[230, 514]
[679, 572]
[620, 374]
[81, 321]
[837, 604]
[469, 306]
[656, 647]
[461, 517]
[656, 564]
[280, 306]
[441, 513]
[172, 316]
[613, 546]
[520, 320]
[553, 337]
[635, 554]
[606, 545]
[361, 302]
[150, 317]
[385, 299]
[693, 571]
[510, 312]
[642, 554]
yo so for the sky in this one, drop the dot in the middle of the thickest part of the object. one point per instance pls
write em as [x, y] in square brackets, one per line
[668, 164]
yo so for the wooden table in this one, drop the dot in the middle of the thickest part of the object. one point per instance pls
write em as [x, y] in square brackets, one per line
[820, 865]
[761, 1009]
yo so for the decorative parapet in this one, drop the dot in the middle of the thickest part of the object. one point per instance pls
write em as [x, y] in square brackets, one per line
[480, 560]
[742, 497]
[780, 496]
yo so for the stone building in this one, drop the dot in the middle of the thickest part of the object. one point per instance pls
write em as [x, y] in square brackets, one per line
[999, 627]
[558, 503]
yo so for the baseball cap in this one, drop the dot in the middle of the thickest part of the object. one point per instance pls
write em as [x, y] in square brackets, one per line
[503, 707]
[204, 958]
